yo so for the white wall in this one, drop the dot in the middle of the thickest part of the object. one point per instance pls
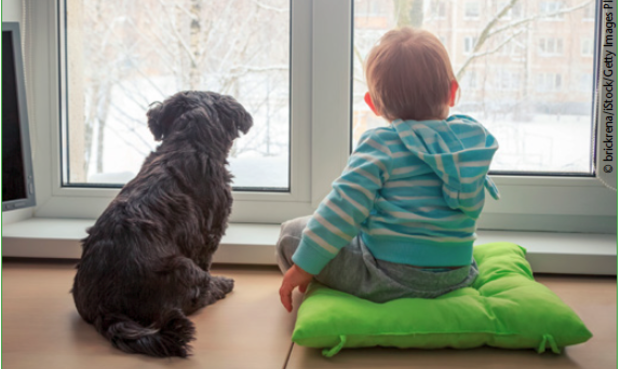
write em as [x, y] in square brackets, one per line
[12, 10]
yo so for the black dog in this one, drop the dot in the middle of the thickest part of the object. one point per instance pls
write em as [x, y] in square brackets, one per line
[145, 263]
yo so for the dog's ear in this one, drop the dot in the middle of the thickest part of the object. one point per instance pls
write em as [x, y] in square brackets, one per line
[233, 116]
[154, 117]
[167, 117]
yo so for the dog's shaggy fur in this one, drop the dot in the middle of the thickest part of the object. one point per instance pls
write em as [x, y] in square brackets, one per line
[145, 263]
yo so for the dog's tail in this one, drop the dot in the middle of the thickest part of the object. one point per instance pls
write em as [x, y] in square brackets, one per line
[170, 336]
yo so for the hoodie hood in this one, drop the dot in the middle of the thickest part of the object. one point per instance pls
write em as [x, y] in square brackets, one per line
[459, 150]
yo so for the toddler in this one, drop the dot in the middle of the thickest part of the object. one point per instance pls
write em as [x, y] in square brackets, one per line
[400, 220]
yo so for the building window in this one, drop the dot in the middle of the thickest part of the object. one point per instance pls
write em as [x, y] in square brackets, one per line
[551, 10]
[468, 44]
[507, 80]
[550, 46]
[472, 9]
[549, 82]
[513, 13]
[438, 9]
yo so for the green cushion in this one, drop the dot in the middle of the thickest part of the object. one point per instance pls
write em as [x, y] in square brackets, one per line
[504, 308]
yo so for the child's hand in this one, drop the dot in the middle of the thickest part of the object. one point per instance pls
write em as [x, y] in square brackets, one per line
[294, 277]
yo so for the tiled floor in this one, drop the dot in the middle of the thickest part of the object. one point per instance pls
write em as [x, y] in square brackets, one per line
[250, 329]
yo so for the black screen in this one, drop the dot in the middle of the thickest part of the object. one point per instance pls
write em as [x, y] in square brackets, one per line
[13, 171]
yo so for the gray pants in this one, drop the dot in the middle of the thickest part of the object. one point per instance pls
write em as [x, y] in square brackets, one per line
[356, 271]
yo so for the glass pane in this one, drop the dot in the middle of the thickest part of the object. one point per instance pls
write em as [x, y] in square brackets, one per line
[123, 55]
[525, 69]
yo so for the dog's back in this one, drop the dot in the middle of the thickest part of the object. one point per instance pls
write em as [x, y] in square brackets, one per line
[145, 262]
[122, 279]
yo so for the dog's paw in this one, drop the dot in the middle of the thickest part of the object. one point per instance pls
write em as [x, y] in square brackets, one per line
[225, 284]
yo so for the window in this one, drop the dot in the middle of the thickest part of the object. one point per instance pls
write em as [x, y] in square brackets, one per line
[549, 82]
[550, 46]
[438, 9]
[121, 57]
[303, 184]
[545, 137]
[513, 11]
[468, 44]
[472, 9]
[507, 80]
[551, 10]
[531, 90]
[545, 132]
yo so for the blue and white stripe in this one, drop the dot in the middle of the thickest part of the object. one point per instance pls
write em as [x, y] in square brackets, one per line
[414, 191]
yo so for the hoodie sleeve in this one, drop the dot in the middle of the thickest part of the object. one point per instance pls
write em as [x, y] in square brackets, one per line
[338, 218]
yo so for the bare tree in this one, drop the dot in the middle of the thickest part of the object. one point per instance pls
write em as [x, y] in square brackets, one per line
[509, 31]
[409, 13]
[207, 45]
[101, 81]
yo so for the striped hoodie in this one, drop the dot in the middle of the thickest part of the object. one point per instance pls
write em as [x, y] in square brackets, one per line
[413, 191]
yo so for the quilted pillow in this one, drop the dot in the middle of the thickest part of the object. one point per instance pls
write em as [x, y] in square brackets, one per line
[504, 308]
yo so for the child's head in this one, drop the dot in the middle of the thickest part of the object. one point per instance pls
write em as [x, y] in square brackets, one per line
[409, 76]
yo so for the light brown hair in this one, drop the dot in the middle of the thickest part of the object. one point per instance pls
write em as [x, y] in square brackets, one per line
[409, 75]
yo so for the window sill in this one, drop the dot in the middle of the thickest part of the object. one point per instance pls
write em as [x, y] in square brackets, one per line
[245, 243]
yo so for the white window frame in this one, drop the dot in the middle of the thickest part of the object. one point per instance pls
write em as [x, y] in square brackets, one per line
[322, 36]
[311, 170]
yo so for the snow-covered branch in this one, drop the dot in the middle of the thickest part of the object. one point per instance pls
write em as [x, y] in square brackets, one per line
[488, 31]
[358, 55]
[473, 56]
[484, 34]
[178, 36]
[539, 16]
[269, 7]
[185, 10]
[248, 68]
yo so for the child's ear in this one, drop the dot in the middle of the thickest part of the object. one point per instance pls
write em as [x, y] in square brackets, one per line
[454, 88]
[370, 104]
